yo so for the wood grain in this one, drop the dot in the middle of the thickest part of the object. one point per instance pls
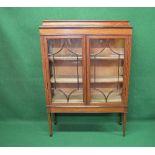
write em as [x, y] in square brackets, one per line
[106, 78]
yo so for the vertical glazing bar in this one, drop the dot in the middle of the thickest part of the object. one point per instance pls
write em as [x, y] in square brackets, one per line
[77, 72]
[54, 72]
[94, 71]
[118, 73]
[122, 63]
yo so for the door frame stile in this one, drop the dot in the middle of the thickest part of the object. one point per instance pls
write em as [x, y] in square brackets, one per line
[88, 69]
[45, 66]
[84, 69]
[126, 69]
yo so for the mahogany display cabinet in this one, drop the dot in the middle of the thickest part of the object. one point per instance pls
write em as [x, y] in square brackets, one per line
[86, 67]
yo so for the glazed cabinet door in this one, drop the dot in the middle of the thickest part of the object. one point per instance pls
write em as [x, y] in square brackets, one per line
[105, 69]
[66, 65]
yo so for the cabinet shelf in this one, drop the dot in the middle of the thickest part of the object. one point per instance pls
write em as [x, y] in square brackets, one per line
[107, 57]
[65, 58]
[75, 97]
[107, 79]
[80, 58]
[79, 99]
[62, 99]
[98, 80]
[97, 96]
[66, 80]
[110, 99]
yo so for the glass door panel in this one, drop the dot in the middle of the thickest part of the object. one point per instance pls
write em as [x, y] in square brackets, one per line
[106, 69]
[66, 65]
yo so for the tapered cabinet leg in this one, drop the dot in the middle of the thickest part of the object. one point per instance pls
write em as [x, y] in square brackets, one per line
[120, 118]
[55, 118]
[50, 124]
[124, 124]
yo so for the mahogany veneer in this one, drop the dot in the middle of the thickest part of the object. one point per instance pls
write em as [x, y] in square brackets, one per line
[86, 66]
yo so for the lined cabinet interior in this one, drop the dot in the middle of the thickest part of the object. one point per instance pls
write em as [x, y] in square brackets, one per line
[100, 66]
[106, 56]
[66, 69]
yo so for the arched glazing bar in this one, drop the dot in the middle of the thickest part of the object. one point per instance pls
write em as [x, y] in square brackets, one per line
[107, 45]
[64, 44]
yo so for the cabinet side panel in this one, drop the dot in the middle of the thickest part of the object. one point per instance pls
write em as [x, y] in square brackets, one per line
[127, 69]
[45, 70]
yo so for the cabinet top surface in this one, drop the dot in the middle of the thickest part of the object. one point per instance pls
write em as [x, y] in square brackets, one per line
[85, 24]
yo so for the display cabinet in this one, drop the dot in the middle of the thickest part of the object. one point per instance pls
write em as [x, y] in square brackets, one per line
[86, 67]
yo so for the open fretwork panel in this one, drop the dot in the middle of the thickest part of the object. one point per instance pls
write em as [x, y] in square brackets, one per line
[65, 61]
[106, 69]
